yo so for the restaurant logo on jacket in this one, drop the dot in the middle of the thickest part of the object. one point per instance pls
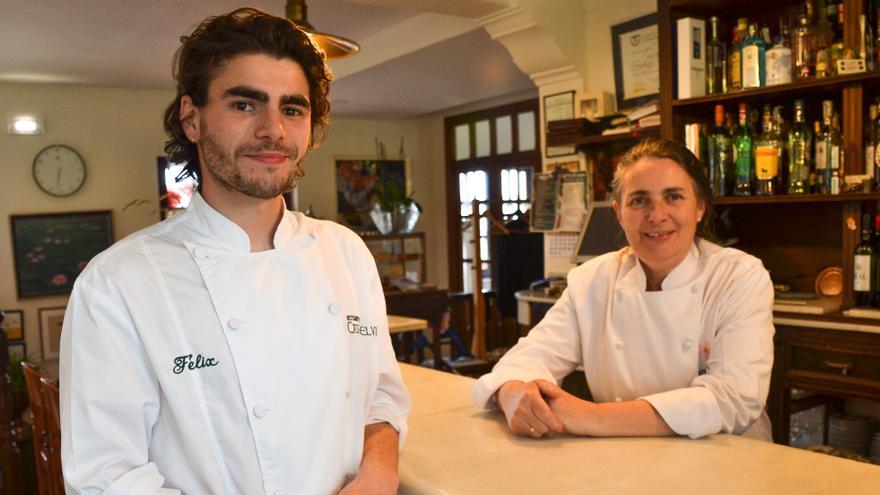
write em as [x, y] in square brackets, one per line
[355, 327]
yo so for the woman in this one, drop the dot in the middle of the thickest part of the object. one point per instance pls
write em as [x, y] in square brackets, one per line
[675, 333]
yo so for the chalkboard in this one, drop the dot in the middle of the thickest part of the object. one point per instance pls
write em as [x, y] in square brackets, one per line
[545, 192]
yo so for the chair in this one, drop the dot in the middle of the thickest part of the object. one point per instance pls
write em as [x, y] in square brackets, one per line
[32, 379]
[52, 415]
[425, 304]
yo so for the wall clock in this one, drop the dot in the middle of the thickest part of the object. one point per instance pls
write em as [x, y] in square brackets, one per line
[59, 170]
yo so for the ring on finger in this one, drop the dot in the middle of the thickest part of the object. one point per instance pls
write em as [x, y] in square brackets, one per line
[531, 430]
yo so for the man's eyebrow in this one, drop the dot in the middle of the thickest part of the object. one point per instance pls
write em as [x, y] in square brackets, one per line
[247, 92]
[296, 100]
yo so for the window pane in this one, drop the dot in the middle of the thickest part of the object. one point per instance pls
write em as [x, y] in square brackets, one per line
[513, 184]
[524, 207]
[484, 248]
[505, 188]
[484, 141]
[464, 191]
[503, 135]
[509, 208]
[466, 209]
[526, 131]
[462, 142]
[523, 185]
[479, 185]
[487, 277]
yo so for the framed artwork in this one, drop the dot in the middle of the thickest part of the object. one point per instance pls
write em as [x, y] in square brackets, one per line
[635, 45]
[358, 181]
[51, 250]
[13, 324]
[174, 195]
[17, 350]
[558, 106]
[51, 321]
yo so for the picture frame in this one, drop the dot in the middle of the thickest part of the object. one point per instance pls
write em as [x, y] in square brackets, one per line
[174, 195]
[635, 46]
[51, 249]
[13, 325]
[558, 106]
[51, 322]
[358, 182]
[16, 349]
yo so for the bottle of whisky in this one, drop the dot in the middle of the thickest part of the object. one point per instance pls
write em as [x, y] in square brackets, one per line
[753, 60]
[743, 154]
[824, 39]
[803, 45]
[835, 155]
[720, 162]
[716, 54]
[817, 175]
[778, 64]
[870, 143]
[823, 154]
[767, 151]
[865, 267]
[734, 59]
[799, 143]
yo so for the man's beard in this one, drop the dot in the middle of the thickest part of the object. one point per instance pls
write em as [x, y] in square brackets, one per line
[225, 169]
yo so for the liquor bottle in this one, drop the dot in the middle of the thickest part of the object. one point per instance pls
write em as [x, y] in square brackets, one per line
[866, 39]
[835, 155]
[753, 60]
[817, 175]
[720, 163]
[837, 46]
[803, 45]
[716, 54]
[743, 154]
[778, 58]
[865, 266]
[824, 39]
[734, 58]
[780, 126]
[767, 151]
[870, 143]
[800, 140]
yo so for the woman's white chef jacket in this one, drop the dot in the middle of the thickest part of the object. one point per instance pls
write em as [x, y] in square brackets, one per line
[700, 350]
[190, 363]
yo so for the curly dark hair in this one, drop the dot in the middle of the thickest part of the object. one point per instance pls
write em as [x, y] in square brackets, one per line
[680, 154]
[219, 39]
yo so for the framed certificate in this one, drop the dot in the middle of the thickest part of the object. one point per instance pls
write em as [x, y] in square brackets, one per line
[636, 61]
[559, 106]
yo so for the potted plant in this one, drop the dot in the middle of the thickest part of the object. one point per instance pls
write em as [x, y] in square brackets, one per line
[394, 210]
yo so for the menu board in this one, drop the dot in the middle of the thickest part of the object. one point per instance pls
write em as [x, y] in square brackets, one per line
[545, 202]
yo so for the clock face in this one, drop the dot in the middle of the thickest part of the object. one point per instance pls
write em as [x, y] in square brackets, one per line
[59, 170]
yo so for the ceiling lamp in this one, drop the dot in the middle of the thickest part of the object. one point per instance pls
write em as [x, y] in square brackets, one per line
[334, 46]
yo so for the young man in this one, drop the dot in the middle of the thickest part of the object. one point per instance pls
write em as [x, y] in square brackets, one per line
[239, 347]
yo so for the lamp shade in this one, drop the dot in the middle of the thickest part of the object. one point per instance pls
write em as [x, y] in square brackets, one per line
[335, 47]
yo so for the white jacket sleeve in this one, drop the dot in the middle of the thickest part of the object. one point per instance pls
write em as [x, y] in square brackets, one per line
[732, 393]
[550, 351]
[109, 399]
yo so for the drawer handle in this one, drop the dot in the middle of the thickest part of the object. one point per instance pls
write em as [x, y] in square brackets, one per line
[845, 368]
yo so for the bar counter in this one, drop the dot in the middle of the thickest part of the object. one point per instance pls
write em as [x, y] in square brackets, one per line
[453, 448]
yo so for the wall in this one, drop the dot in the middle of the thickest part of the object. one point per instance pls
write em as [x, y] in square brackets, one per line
[117, 132]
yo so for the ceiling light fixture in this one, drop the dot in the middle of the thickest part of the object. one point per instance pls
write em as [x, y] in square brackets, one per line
[335, 47]
[25, 125]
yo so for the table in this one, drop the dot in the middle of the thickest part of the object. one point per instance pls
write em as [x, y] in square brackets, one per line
[402, 324]
[453, 448]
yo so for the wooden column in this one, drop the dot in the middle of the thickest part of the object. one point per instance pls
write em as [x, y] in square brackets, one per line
[478, 345]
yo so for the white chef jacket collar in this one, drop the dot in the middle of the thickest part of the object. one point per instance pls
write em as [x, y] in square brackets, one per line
[684, 273]
[222, 233]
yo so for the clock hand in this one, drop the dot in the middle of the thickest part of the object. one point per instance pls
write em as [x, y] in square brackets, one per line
[58, 177]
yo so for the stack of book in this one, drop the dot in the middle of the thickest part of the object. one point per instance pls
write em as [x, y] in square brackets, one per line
[644, 116]
[575, 128]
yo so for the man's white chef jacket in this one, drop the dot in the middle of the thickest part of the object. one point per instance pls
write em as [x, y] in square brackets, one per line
[190, 363]
[700, 350]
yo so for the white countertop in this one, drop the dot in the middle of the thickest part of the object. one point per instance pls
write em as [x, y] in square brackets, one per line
[454, 448]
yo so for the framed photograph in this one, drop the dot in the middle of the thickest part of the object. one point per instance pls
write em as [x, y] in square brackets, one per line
[51, 250]
[635, 45]
[13, 324]
[558, 106]
[358, 181]
[51, 321]
[174, 194]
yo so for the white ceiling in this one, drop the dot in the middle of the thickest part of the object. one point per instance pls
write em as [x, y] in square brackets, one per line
[417, 56]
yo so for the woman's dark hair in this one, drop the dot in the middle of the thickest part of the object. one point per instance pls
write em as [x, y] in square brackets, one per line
[219, 39]
[680, 154]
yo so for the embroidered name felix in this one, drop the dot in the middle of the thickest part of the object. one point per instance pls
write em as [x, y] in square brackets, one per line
[187, 362]
[355, 327]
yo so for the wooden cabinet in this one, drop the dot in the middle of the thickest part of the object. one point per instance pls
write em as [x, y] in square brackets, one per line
[398, 256]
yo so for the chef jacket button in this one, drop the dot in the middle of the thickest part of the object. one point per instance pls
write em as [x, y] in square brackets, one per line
[348, 394]
[200, 253]
[333, 309]
[618, 399]
[261, 411]
[687, 344]
[695, 288]
[234, 323]
[618, 345]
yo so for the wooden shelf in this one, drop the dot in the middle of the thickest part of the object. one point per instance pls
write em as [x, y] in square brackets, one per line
[796, 198]
[783, 92]
[590, 140]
